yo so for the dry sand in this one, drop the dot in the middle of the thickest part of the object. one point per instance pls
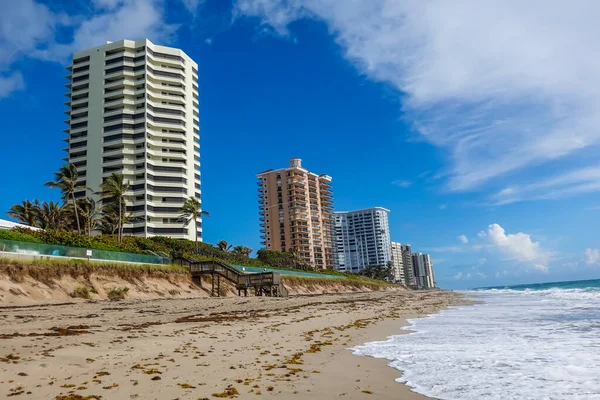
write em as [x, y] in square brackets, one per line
[294, 348]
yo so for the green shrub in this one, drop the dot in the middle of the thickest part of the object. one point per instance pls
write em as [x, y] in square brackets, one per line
[82, 292]
[116, 294]
[276, 258]
[19, 235]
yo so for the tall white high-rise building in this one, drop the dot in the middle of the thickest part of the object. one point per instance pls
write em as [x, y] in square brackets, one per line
[362, 239]
[397, 262]
[423, 271]
[133, 110]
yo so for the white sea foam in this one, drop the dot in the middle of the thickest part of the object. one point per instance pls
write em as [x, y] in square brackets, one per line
[516, 345]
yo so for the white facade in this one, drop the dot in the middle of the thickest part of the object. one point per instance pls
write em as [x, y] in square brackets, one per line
[397, 262]
[423, 271]
[8, 225]
[362, 239]
[133, 110]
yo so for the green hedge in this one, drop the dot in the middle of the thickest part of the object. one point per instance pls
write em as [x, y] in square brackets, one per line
[18, 236]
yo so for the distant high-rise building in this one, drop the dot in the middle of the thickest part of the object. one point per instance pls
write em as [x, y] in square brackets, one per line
[295, 208]
[409, 276]
[133, 111]
[362, 239]
[397, 262]
[423, 271]
[429, 271]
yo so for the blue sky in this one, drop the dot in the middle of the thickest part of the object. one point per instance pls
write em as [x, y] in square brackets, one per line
[477, 126]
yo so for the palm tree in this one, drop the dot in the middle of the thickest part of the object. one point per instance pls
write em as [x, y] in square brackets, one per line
[26, 212]
[108, 223]
[298, 262]
[242, 250]
[66, 180]
[223, 245]
[53, 215]
[191, 211]
[114, 199]
[89, 214]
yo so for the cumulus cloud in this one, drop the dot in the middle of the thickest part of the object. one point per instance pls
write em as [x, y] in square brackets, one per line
[502, 88]
[516, 246]
[463, 239]
[30, 29]
[592, 256]
[115, 24]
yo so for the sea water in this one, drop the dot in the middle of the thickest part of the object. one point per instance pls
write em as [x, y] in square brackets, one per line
[523, 342]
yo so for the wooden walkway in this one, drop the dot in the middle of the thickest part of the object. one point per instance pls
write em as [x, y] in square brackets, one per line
[263, 283]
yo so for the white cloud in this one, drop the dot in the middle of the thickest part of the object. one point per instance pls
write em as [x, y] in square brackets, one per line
[29, 29]
[501, 273]
[192, 5]
[516, 246]
[114, 25]
[463, 239]
[23, 26]
[582, 180]
[592, 256]
[443, 206]
[541, 267]
[107, 4]
[502, 88]
[10, 83]
[462, 276]
[402, 183]
[467, 275]
[446, 249]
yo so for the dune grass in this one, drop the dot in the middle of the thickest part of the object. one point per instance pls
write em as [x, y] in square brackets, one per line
[356, 281]
[49, 270]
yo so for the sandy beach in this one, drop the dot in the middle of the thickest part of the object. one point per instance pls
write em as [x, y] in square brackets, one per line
[208, 348]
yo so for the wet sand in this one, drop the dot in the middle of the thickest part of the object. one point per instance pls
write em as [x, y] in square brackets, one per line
[208, 348]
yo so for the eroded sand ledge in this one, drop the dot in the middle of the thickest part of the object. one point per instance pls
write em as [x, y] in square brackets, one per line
[208, 347]
[27, 285]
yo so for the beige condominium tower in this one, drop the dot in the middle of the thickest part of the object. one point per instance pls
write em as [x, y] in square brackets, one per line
[295, 213]
[133, 110]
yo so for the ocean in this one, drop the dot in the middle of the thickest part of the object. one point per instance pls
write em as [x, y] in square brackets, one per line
[537, 341]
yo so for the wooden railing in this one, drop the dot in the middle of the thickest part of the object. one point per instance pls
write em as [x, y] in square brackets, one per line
[242, 280]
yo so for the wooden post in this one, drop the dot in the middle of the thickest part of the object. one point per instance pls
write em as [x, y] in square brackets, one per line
[218, 285]
[212, 289]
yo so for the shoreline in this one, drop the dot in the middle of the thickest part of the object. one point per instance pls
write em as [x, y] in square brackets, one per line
[210, 348]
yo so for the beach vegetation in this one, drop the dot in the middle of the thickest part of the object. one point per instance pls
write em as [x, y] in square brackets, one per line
[77, 222]
[67, 180]
[116, 294]
[82, 292]
[191, 211]
[114, 199]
